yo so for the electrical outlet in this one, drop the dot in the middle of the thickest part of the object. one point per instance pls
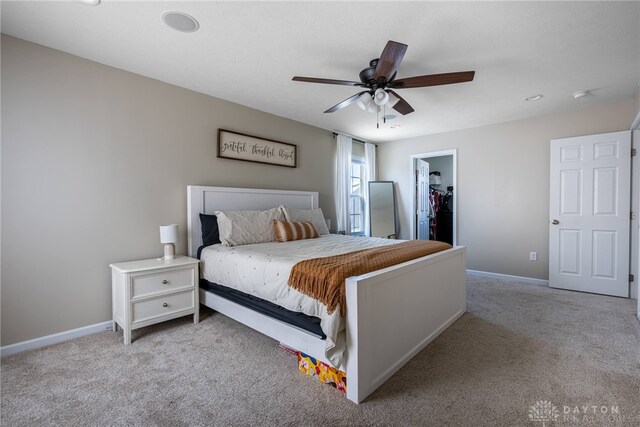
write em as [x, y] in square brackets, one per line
[533, 256]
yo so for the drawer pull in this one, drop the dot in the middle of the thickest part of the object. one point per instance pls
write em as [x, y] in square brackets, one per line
[164, 282]
[165, 305]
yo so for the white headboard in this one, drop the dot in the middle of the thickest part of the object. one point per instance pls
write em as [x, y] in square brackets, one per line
[208, 199]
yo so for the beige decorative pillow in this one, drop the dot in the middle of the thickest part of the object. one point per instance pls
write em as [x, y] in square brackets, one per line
[314, 216]
[247, 227]
[287, 231]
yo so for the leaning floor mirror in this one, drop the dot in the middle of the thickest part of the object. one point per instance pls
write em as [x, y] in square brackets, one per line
[382, 209]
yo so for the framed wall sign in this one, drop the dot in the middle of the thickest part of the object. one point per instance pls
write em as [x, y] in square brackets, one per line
[238, 146]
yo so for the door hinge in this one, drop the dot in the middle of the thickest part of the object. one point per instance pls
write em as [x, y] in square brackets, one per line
[633, 152]
[632, 216]
[631, 278]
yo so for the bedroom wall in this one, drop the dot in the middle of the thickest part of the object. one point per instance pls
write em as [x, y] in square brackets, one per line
[503, 183]
[94, 159]
[636, 108]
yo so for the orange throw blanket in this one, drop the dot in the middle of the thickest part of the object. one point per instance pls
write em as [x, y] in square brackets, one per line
[324, 278]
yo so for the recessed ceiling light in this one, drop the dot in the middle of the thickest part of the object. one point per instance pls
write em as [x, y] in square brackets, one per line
[581, 94]
[389, 117]
[395, 126]
[90, 2]
[180, 21]
[533, 98]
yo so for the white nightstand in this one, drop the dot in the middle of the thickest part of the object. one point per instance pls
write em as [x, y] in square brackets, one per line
[152, 291]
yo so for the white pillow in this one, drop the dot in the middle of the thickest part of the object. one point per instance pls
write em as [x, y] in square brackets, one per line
[313, 216]
[247, 227]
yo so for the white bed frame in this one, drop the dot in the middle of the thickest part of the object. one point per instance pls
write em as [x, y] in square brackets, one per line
[392, 313]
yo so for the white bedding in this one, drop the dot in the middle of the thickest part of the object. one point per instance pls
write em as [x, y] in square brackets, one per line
[263, 270]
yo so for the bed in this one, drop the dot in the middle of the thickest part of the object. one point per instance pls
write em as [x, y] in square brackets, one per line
[383, 307]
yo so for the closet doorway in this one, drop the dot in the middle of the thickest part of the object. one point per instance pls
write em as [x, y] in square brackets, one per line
[439, 198]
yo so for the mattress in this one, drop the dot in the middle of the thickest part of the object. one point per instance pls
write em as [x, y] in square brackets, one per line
[299, 320]
[263, 270]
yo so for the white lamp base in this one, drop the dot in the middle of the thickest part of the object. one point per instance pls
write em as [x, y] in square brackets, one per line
[169, 251]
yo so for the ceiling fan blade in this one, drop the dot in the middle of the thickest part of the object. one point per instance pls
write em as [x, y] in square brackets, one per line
[434, 80]
[327, 81]
[344, 103]
[401, 106]
[390, 60]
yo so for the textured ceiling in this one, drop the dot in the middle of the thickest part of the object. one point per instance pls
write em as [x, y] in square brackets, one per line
[247, 52]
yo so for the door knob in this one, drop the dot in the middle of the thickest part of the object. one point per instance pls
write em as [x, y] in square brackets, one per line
[555, 222]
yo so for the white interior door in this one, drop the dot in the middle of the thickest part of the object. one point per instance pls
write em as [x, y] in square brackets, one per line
[590, 213]
[635, 230]
[422, 195]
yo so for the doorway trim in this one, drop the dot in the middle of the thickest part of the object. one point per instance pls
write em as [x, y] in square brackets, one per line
[635, 232]
[414, 207]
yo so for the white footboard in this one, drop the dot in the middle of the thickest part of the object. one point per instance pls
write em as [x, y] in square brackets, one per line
[394, 313]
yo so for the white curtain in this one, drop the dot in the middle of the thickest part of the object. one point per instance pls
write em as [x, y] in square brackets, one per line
[343, 182]
[370, 174]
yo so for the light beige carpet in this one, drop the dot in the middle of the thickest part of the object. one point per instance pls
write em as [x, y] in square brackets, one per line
[519, 344]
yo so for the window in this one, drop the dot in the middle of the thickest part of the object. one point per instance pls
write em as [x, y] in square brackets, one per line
[356, 199]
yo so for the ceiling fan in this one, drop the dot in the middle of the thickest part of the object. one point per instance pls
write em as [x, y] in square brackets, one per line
[379, 81]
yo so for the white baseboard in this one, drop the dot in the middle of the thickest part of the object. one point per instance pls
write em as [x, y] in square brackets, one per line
[531, 280]
[542, 282]
[19, 347]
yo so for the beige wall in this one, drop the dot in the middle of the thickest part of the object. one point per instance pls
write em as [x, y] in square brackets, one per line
[503, 183]
[94, 159]
[636, 107]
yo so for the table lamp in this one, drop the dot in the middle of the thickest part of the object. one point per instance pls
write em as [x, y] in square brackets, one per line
[169, 236]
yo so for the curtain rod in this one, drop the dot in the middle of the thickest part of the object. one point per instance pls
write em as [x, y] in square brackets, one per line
[354, 138]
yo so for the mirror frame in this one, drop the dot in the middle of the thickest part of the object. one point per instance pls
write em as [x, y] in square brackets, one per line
[395, 213]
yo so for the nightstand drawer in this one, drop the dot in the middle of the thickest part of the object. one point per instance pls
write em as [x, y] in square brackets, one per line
[159, 282]
[161, 306]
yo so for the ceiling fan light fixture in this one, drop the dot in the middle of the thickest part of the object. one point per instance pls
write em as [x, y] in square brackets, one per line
[364, 101]
[380, 96]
